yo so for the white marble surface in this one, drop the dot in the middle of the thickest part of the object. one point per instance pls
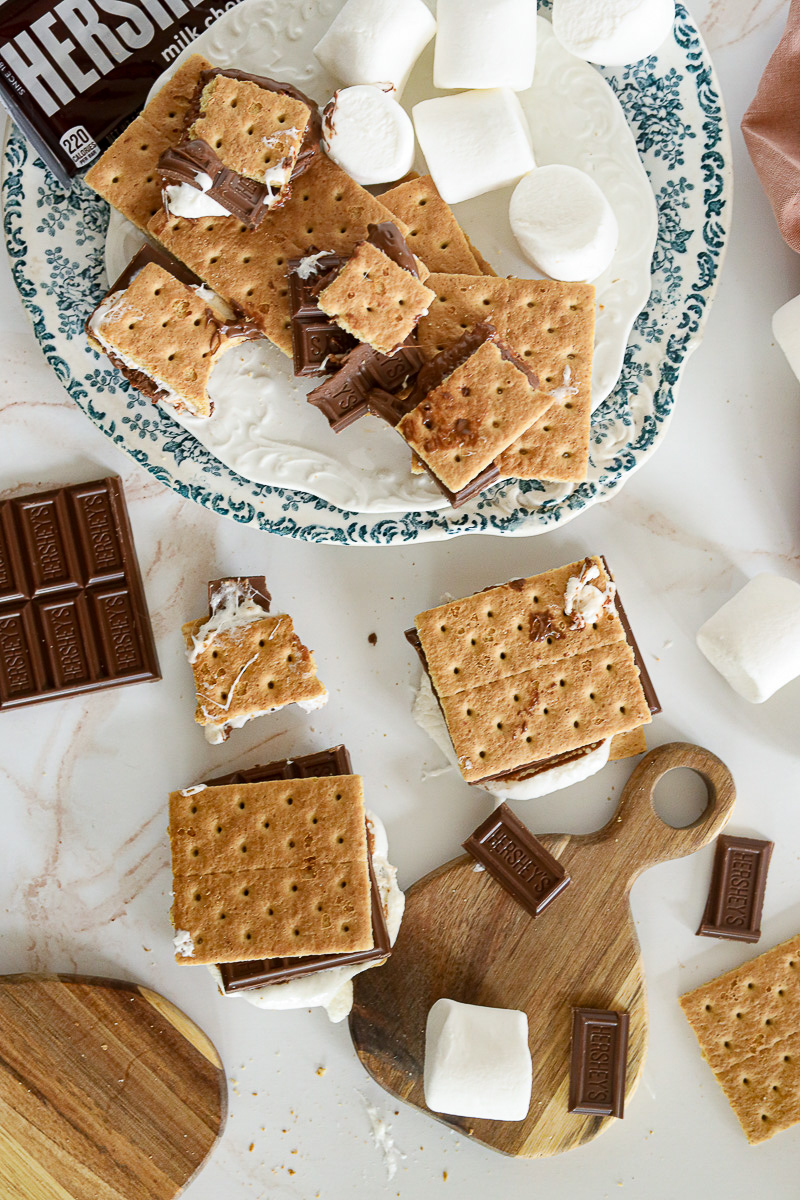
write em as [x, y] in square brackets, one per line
[84, 876]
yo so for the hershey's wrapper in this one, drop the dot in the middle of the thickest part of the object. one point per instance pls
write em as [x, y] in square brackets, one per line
[73, 71]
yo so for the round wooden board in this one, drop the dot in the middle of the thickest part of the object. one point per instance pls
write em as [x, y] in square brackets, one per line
[107, 1091]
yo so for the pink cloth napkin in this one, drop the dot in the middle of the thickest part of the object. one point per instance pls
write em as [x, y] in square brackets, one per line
[771, 128]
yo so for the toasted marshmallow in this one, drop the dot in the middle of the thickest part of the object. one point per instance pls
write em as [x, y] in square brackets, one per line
[473, 142]
[563, 223]
[376, 41]
[613, 32]
[368, 134]
[485, 44]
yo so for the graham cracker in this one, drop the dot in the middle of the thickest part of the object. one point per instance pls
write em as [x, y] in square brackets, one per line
[250, 669]
[374, 299]
[628, 744]
[434, 234]
[255, 132]
[479, 409]
[271, 870]
[557, 707]
[248, 268]
[748, 1025]
[127, 175]
[168, 332]
[520, 680]
[550, 325]
[485, 267]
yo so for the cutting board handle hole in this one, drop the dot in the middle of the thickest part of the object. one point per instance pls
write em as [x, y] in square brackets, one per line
[680, 797]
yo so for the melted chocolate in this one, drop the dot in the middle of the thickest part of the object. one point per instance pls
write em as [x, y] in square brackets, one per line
[387, 238]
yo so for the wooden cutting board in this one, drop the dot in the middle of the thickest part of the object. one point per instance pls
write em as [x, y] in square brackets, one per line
[463, 936]
[107, 1091]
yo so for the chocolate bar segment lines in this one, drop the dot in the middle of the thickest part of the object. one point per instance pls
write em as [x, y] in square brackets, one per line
[315, 337]
[72, 610]
[736, 895]
[517, 860]
[345, 396]
[599, 1062]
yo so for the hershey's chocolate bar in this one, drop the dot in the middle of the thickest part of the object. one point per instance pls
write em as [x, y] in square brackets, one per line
[345, 395]
[257, 585]
[72, 72]
[315, 336]
[517, 860]
[599, 1062]
[334, 761]
[738, 883]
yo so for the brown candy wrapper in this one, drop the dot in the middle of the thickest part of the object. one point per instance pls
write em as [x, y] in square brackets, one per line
[771, 128]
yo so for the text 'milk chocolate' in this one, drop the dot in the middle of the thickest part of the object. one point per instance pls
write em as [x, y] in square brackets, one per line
[736, 894]
[517, 860]
[599, 1062]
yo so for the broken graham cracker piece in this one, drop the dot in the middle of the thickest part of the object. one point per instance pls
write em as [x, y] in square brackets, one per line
[434, 234]
[628, 744]
[375, 299]
[127, 174]
[249, 268]
[247, 661]
[747, 1023]
[270, 870]
[550, 325]
[533, 669]
[163, 334]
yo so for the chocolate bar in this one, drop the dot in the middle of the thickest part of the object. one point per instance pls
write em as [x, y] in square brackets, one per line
[315, 337]
[260, 593]
[243, 197]
[72, 72]
[73, 617]
[736, 894]
[517, 860]
[387, 238]
[240, 976]
[599, 1062]
[345, 396]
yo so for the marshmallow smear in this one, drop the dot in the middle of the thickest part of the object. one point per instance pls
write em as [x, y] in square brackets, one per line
[563, 223]
[368, 134]
[786, 331]
[477, 1061]
[613, 32]
[473, 142]
[754, 639]
[376, 41]
[485, 44]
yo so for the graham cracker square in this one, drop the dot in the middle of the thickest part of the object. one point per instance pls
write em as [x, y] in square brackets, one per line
[550, 325]
[748, 1025]
[160, 327]
[628, 744]
[464, 423]
[434, 234]
[127, 175]
[271, 870]
[251, 669]
[521, 675]
[375, 300]
[248, 268]
[253, 131]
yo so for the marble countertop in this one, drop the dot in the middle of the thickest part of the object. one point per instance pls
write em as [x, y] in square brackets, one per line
[84, 859]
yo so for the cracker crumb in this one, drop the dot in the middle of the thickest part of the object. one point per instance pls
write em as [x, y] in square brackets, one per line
[373, 639]
[321, 1070]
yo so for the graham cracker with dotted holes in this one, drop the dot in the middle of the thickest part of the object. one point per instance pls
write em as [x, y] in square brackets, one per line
[519, 680]
[550, 325]
[433, 232]
[127, 174]
[171, 335]
[251, 668]
[464, 423]
[374, 299]
[748, 1025]
[326, 209]
[271, 870]
[253, 131]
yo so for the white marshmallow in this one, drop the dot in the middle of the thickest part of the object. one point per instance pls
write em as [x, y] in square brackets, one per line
[473, 142]
[563, 223]
[613, 32]
[485, 44]
[754, 639]
[376, 41]
[477, 1061]
[368, 134]
[786, 331]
